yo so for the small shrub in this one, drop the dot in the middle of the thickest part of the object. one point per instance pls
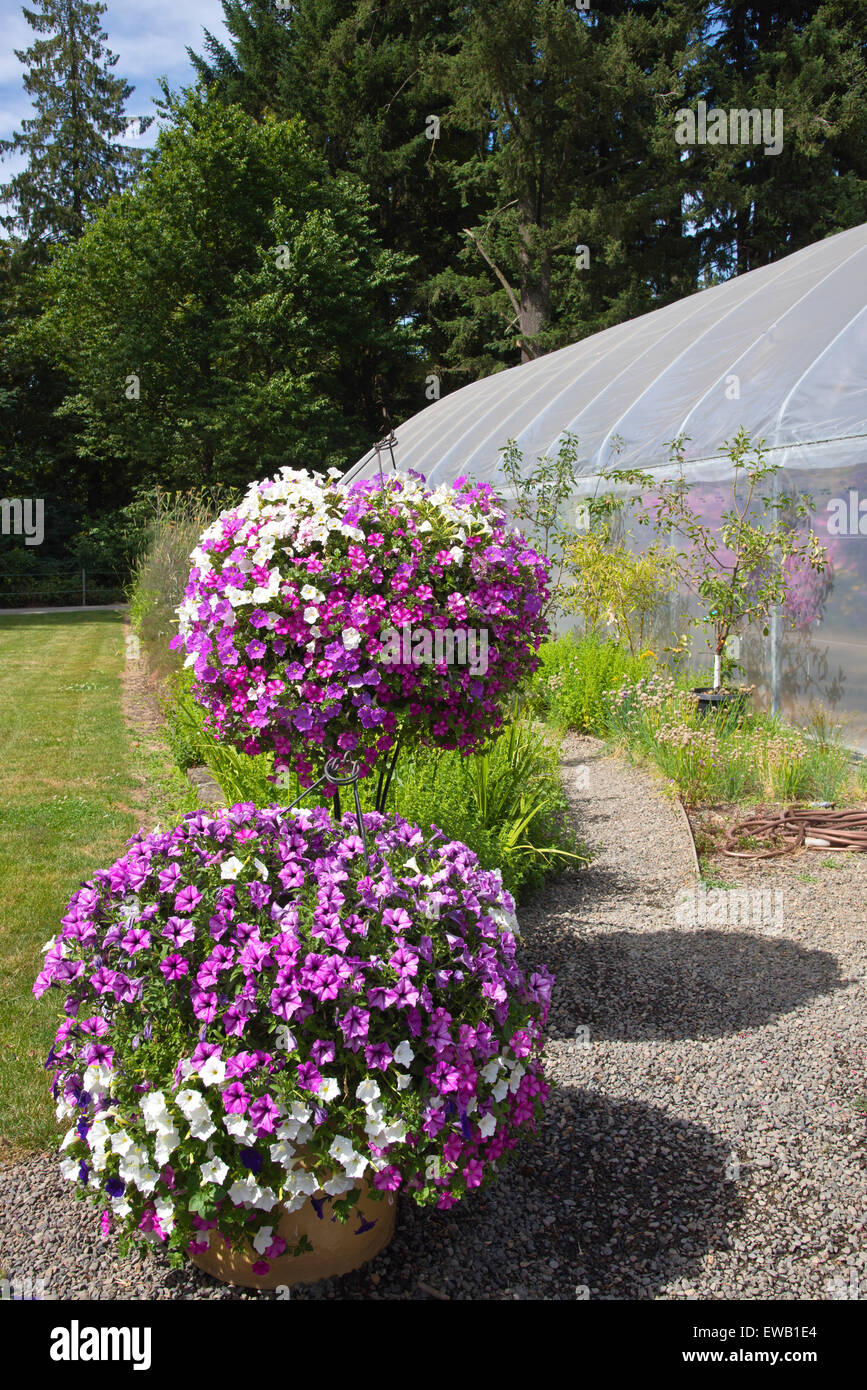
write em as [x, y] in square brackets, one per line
[575, 677]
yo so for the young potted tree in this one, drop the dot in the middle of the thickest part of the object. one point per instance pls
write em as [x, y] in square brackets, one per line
[739, 569]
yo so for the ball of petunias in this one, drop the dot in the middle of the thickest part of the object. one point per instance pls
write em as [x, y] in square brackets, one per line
[332, 1024]
[319, 618]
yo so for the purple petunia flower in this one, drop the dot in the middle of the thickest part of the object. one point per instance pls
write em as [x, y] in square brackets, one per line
[175, 967]
[264, 1115]
[235, 1099]
[187, 899]
[309, 1078]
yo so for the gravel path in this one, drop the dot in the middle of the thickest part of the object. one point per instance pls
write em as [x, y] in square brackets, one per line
[702, 1141]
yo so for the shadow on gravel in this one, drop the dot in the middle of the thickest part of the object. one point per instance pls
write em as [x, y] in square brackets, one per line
[683, 983]
[608, 1201]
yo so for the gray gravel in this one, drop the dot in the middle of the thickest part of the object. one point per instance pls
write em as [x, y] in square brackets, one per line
[702, 1141]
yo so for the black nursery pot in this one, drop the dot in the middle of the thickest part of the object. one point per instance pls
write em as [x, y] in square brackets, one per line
[734, 701]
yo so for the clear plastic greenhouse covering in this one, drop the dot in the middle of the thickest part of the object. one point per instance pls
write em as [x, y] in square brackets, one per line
[780, 351]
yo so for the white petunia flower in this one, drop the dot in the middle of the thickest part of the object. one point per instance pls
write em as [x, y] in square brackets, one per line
[98, 1134]
[375, 1130]
[242, 1191]
[202, 1126]
[311, 615]
[191, 1102]
[121, 1143]
[146, 1179]
[213, 1071]
[166, 1213]
[214, 1171]
[262, 1239]
[500, 1091]
[356, 1167]
[341, 1149]
[97, 1080]
[487, 1125]
[403, 1080]
[262, 868]
[351, 638]
[515, 1080]
[329, 1090]
[289, 1129]
[404, 1054]
[239, 1128]
[283, 1153]
[335, 1187]
[490, 1071]
[306, 1184]
[231, 867]
[368, 1090]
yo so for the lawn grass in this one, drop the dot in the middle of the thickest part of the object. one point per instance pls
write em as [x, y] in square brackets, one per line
[68, 789]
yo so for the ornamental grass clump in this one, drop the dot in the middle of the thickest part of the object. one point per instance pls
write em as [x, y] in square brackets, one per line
[253, 1016]
[321, 620]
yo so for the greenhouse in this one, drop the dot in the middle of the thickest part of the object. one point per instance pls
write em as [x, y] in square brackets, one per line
[778, 352]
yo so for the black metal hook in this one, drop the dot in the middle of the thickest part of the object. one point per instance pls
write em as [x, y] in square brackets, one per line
[387, 443]
[337, 779]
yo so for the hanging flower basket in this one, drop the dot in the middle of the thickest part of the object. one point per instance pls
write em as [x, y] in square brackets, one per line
[320, 620]
[263, 1012]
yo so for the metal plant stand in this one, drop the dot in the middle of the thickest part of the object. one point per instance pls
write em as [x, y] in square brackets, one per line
[347, 776]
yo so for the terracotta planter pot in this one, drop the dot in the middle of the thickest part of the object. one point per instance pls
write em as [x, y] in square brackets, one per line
[337, 1248]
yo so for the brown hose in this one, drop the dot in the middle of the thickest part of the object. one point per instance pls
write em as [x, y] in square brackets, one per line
[844, 830]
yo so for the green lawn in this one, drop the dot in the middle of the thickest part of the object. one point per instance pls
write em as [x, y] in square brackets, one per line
[68, 783]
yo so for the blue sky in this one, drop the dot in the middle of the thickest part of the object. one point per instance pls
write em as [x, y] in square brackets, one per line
[150, 38]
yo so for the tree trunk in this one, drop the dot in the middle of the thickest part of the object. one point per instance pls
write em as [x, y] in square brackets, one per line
[535, 284]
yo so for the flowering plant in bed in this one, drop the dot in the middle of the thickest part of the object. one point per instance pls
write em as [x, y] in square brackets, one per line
[320, 620]
[252, 1017]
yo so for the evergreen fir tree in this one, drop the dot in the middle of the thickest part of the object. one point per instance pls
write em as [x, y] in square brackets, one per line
[361, 74]
[75, 162]
[584, 223]
[805, 61]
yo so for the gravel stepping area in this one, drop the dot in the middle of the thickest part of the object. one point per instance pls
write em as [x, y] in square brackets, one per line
[703, 1139]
